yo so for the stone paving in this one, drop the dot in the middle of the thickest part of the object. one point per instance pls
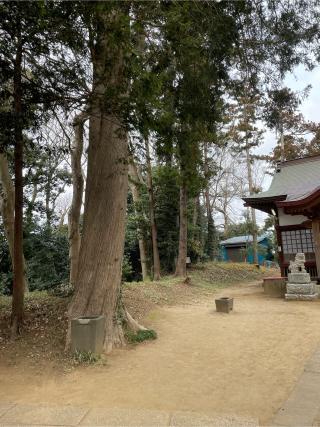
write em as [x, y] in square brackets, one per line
[33, 415]
[303, 405]
[301, 409]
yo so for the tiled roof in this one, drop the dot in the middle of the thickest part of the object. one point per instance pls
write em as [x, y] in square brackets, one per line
[295, 179]
[241, 239]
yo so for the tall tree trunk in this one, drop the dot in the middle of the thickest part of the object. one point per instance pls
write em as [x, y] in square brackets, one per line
[7, 205]
[29, 210]
[225, 223]
[77, 195]
[62, 218]
[210, 223]
[7, 210]
[210, 226]
[181, 267]
[134, 183]
[154, 230]
[102, 243]
[101, 252]
[195, 215]
[253, 213]
[18, 267]
[47, 192]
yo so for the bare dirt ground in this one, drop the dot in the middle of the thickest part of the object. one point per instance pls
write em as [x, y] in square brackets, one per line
[243, 363]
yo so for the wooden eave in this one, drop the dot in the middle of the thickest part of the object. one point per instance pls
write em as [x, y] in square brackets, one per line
[265, 204]
[308, 206]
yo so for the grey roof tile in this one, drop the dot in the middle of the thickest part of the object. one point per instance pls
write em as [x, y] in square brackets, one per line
[295, 179]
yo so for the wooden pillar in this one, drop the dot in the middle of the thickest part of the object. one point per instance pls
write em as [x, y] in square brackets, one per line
[316, 242]
[280, 248]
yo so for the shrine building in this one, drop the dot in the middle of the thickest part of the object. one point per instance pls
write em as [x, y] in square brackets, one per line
[294, 199]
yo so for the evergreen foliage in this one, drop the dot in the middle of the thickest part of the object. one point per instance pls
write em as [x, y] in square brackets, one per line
[192, 76]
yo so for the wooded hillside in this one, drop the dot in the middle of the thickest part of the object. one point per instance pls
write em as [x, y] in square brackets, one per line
[128, 128]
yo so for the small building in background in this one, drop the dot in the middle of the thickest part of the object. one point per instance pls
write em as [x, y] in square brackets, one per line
[294, 199]
[239, 249]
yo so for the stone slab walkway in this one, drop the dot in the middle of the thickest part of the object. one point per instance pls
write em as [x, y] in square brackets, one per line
[303, 405]
[302, 409]
[32, 415]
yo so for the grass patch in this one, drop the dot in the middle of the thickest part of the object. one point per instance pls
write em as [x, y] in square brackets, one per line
[217, 275]
[85, 357]
[140, 336]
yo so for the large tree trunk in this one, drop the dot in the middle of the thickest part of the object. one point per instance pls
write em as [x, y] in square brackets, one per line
[7, 210]
[154, 230]
[181, 267]
[102, 245]
[77, 194]
[100, 262]
[18, 267]
[7, 202]
[134, 185]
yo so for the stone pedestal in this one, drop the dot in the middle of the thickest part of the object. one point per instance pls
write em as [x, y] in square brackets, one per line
[299, 278]
[299, 286]
[274, 286]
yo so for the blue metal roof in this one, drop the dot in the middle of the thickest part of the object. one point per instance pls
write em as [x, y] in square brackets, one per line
[239, 240]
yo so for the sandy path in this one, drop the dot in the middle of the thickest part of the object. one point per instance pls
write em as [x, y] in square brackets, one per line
[244, 363]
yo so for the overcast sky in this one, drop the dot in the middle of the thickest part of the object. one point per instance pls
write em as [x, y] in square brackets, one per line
[310, 108]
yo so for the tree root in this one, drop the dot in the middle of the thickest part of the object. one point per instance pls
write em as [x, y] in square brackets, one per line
[118, 332]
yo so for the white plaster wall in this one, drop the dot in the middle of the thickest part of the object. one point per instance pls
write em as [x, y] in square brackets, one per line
[285, 219]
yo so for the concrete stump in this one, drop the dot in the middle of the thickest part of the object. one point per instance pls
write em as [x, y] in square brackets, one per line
[274, 286]
[224, 304]
[87, 334]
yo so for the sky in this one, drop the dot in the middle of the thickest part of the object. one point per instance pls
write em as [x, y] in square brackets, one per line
[310, 108]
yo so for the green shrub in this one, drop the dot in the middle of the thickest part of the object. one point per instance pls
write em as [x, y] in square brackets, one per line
[140, 336]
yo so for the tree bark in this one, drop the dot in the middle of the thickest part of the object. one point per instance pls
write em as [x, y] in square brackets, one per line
[98, 290]
[210, 226]
[102, 244]
[195, 215]
[77, 195]
[47, 191]
[29, 210]
[7, 210]
[225, 223]
[181, 267]
[134, 183]
[154, 230]
[18, 267]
